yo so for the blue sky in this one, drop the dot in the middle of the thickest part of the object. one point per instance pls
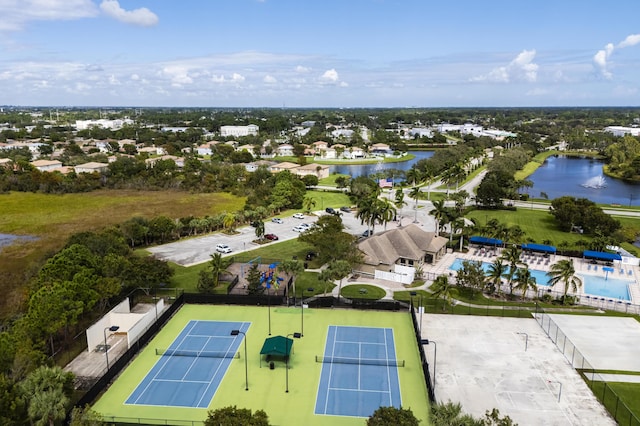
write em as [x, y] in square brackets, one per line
[319, 53]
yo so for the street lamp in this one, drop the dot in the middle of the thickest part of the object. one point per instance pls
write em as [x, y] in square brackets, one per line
[112, 328]
[246, 368]
[286, 356]
[310, 290]
[435, 358]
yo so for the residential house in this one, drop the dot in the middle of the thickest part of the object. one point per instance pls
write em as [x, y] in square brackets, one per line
[46, 165]
[91, 167]
[238, 131]
[380, 149]
[178, 160]
[285, 150]
[247, 147]
[280, 167]
[319, 170]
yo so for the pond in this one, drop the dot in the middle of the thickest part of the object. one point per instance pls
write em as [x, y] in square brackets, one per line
[356, 170]
[582, 178]
[8, 239]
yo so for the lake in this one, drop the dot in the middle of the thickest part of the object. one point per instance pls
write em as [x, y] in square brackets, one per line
[582, 178]
[356, 170]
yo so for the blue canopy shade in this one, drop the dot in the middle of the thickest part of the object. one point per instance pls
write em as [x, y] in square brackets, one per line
[485, 240]
[601, 255]
[539, 247]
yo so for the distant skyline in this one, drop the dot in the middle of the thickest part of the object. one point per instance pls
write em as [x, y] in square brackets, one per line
[310, 53]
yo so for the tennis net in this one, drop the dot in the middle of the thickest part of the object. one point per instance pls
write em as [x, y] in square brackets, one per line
[191, 353]
[360, 361]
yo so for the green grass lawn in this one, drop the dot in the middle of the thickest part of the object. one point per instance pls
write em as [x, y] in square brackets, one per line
[326, 199]
[629, 393]
[331, 179]
[362, 291]
[267, 387]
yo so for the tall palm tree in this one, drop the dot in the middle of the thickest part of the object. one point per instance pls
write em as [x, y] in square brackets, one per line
[441, 289]
[259, 229]
[440, 214]
[218, 267]
[564, 272]
[416, 194]
[414, 175]
[497, 271]
[512, 256]
[387, 211]
[525, 281]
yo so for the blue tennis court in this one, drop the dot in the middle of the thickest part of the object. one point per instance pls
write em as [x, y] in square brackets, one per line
[189, 372]
[359, 372]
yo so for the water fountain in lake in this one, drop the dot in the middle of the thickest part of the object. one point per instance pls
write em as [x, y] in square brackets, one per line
[596, 182]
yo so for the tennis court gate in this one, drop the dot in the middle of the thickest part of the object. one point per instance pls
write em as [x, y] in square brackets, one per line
[423, 358]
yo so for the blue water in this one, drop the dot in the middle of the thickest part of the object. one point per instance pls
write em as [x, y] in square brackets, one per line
[610, 288]
[540, 276]
[575, 173]
[356, 170]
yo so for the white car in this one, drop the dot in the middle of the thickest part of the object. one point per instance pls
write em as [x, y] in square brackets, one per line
[300, 228]
[223, 248]
[298, 216]
[276, 220]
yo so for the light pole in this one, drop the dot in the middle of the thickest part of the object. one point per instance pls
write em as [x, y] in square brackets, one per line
[435, 358]
[286, 356]
[310, 290]
[112, 328]
[269, 306]
[246, 368]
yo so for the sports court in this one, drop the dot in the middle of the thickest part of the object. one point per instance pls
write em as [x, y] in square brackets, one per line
[166, 384]
[189, 372]
[509, 364]
[359, 372]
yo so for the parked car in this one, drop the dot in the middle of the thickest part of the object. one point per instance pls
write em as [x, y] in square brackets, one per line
[330, 210]
[367, 233]
[345, 209]
[276, 220]
[271, 237]
[300, 228]
[223, 248]
[298, 216]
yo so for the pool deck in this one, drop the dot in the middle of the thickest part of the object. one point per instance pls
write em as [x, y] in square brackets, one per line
[539, 263]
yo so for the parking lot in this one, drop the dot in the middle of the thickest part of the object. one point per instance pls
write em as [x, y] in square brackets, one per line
[198, 250]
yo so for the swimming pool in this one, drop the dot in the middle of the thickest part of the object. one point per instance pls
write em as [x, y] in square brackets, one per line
[610, 288]
[540, 276]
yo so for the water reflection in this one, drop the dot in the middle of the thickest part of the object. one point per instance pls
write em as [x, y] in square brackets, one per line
[356, 170]
[582, 178]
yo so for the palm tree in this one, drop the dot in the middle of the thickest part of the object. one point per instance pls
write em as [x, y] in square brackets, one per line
[365, 211]
[259, 229]
[497, 271]
[441, 288]
[387, 211]
[563, 271]
[308, 203]
[512, 257]
[414, 175]
[218, 267]
[229, 222]
[525, 281]
[416, 194]
[440, 214]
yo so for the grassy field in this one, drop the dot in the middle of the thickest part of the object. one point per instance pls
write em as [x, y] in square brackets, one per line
[266, 386]
[53, 218]
[629, 393]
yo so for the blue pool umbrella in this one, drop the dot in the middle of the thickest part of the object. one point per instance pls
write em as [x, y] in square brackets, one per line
[606, 270]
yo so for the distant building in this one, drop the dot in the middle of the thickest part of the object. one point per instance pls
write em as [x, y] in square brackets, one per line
[621, 130]
[105, 124]
[46, 165]
[238, 131]
[91, 167]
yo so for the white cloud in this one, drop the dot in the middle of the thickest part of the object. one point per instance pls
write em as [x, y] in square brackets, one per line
[17, 14]
[135, 77]
[601, 58]
[631, 40]
[237, 77]
[113, 80]
[302, 69]
[330, 76]
[142, 16]
[522, 68]
[269, 79]
[217, 78]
